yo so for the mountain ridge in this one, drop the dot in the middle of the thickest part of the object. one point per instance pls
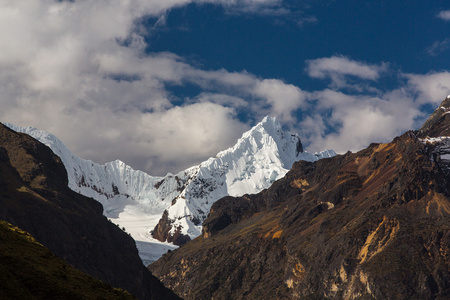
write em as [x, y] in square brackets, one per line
[262, 155]
[368, 225]
[35, 197]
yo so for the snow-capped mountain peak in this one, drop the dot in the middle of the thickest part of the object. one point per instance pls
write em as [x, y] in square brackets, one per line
[267, 133]
[182, 201]
[262, 155]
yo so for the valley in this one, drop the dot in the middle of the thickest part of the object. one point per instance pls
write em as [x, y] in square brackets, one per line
[373, 224]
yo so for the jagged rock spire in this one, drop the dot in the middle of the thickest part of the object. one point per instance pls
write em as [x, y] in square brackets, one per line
[438, 124]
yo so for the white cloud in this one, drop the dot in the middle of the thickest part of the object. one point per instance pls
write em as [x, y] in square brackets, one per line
[444, 15]
[438, 46]
[183, 136]
[269, 96]
[356, 121]
[280, 11]
[307, 19]
[260, 7]
[159, 142]
[339, 68]
[283, 98]
[351, 121]
[431, 88]
[222, 99]
[63, 70]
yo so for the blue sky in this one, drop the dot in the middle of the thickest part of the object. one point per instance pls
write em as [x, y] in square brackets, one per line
[163, 85]
[277, 46]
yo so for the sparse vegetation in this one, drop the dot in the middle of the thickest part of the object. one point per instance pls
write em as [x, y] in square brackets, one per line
[28, 270]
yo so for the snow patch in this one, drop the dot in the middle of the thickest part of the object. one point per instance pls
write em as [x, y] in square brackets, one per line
[445, 156]
[434, 140]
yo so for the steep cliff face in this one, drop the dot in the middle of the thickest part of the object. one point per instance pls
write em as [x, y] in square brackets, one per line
[368, 225]
[35, 197]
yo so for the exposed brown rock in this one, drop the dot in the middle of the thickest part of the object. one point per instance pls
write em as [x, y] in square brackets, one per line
[368, 225]
[437, 123]
[162, 232]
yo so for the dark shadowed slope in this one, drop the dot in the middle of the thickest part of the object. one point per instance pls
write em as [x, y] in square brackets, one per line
[28, 270]
[368, 225]
[34, 197]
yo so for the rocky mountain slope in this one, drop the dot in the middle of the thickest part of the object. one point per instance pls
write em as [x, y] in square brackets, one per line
[28, 270]
[368, 225]
[35, 197]
[178, 204]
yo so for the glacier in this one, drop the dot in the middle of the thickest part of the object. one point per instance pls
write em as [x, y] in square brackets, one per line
[136, 200]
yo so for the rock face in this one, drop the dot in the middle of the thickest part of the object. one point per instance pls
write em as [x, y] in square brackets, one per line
[34, 196]
[164, 231]
[368, 225]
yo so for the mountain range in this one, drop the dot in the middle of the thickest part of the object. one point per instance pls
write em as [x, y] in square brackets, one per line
[368, 225]
[172, 208]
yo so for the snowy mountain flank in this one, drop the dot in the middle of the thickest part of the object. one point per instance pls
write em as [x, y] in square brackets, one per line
[178, 204]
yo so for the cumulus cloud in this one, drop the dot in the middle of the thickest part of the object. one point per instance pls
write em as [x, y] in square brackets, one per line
[269, 96]
[431, 88]
[222, 99]
[283, 98]
[79, 70]
[340, 68]
[352, 122]
[444, 15]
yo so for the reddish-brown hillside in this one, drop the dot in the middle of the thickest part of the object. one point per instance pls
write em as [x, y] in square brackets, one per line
[368, 225]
